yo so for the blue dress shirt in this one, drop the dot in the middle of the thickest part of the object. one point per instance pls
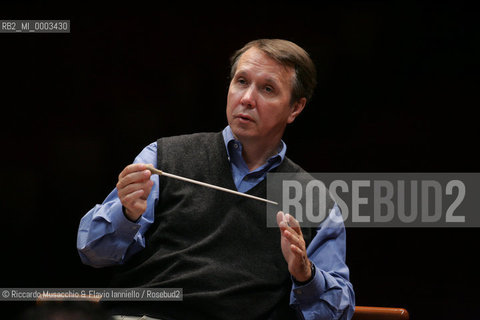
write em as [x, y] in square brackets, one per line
[106, 237]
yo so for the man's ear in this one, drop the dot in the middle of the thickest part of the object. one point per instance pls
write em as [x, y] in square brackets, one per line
[296, 109]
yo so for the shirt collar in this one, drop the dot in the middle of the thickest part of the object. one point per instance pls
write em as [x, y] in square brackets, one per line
[230, 140]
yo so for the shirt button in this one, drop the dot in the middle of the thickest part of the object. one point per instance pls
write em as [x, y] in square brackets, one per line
[235, 146]
[299, 292]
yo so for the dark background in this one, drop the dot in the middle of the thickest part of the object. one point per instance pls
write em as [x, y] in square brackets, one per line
[397, 93]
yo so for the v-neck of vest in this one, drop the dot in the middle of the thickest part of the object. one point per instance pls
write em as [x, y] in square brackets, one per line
[226, 163]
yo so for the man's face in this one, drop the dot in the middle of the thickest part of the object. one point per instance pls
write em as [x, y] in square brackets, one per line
[258, 102]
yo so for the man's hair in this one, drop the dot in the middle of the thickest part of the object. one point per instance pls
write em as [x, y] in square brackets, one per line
[288, 54]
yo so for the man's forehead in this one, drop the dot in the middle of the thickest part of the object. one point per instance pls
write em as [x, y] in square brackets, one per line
[256, 60]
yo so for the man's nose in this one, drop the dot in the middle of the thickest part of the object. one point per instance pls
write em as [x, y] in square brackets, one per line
[248, 98]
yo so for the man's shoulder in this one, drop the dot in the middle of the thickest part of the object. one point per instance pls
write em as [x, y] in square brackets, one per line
[288, 165]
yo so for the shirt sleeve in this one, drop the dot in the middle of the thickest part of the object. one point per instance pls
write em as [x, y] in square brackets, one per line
[329, 295]
[105, 236]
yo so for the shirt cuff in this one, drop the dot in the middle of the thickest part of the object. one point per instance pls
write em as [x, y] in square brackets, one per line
[310, 291]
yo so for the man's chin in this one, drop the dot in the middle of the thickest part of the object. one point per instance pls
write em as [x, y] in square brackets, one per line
[243, 134]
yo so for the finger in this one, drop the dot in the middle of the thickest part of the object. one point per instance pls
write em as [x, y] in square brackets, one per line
[298, 252]
[131, 188]
[132, 168]
[280, 218]
[134, 177]
[294, 224]
[129, 200]
[285, 227]
[148, 188]
[295, 239]
[287, 232]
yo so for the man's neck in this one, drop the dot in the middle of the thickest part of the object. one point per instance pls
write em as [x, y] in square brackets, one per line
[255, 154]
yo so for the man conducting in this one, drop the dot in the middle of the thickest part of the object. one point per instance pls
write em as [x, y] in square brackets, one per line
[165, 233]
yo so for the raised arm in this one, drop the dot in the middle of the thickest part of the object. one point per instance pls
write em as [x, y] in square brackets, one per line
[113, 231]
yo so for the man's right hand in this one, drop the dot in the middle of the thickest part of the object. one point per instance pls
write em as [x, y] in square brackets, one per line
[134, 186]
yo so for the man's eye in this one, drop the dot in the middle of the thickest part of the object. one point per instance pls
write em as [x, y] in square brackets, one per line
[269, 89]
[241, 81]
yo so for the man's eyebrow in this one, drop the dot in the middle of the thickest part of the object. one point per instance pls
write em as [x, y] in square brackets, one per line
[240, 73]
[269, 79]
[272, 80]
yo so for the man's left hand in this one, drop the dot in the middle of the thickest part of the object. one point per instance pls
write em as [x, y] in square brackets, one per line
[293, 247]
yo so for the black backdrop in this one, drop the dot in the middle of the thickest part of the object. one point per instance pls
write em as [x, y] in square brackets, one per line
[396, 93]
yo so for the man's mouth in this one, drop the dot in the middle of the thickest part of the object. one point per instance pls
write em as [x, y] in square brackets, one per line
[244, 117]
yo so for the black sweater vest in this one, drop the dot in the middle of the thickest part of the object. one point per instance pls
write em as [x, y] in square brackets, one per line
[214, 245]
